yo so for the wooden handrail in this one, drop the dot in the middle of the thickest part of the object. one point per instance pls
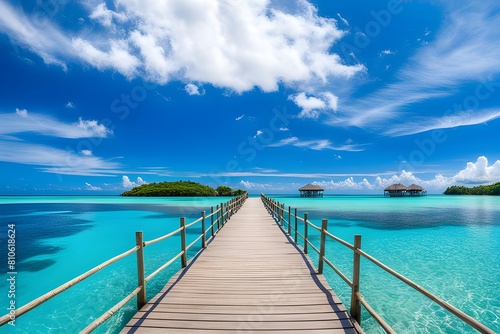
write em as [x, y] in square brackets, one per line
[357, 298]
[223, 214]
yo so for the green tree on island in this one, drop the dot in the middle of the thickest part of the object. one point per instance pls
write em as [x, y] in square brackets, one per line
[180, 189]
[493, 189]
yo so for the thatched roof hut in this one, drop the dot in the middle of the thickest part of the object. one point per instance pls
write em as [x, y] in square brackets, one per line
[395, 190]
[416, 190]
[311, 190]
[400, 190]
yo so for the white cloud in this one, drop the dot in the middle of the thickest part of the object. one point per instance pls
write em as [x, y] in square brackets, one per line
[239, 118]
[88, 186]
[53, 160]
[36, 34]
[313, 106]
[46, 125]
[284, 129]
[87, 153]
[254, 44]
[192, 89]
[69, 105]
[253, 185]
[105, 16]
[387, 52]
[22, 112]
[463, 52]
[343, 19]
[130, 184]
[479, 172]
[117, 56]
[259, 132]
[317, 145]
[423, 124]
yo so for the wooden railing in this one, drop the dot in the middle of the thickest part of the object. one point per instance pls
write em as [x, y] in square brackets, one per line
[218, 218]
[288, 221]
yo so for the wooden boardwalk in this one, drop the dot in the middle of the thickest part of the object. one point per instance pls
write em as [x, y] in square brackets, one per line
[251, 278]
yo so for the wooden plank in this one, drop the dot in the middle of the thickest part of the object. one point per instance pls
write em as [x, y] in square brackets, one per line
[249, 278]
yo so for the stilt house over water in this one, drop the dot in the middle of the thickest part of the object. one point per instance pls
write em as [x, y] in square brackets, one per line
[311, 190]
[400, 190]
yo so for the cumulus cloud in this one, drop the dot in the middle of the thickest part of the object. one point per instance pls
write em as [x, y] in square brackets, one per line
[87, 153]
[253, 44]
[93, 128]
[130, 184]
[284, 129]
[22, 112]
[88, 186]
[312, 106]
[479, 172]
[239, 118]
[192, 89]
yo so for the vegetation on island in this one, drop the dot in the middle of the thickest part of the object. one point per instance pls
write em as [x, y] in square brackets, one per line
[492, 190]
[180, 189]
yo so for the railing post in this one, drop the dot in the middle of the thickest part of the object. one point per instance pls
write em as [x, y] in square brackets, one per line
[306, 231]
[324, 226]
[212, 219]
[218, 219]
[183, 242]
[289, 215]
[289, 229]
[355, 304]
[141, 296]
[222, 215]
[296, 231]
[204, 236]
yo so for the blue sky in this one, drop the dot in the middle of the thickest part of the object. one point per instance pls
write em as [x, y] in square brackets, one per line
[99, 96]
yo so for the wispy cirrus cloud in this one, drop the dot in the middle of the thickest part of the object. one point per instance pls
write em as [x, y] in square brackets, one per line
[464, 50]
[317, 145]
[57, 161]
[23, 121]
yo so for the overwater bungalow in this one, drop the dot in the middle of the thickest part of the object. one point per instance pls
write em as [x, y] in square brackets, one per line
[311, 190]
[395, 190]
[400, 190]
[416, 190]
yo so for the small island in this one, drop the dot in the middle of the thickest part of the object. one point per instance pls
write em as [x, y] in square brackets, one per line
[489, 190]
[180, 189]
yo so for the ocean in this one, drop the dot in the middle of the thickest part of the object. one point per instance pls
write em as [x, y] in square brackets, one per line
[448, 245]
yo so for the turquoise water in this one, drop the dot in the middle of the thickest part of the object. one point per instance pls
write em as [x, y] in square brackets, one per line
[59, 238]
[449, 245]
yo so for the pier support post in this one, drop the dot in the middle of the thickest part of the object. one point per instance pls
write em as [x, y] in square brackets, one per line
[324, 227]
[306, 231]
[204, 236]
[183, 242]
[141, 282]
[355, 304]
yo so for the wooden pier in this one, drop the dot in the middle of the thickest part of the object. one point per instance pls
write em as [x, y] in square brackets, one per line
[251, 278]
